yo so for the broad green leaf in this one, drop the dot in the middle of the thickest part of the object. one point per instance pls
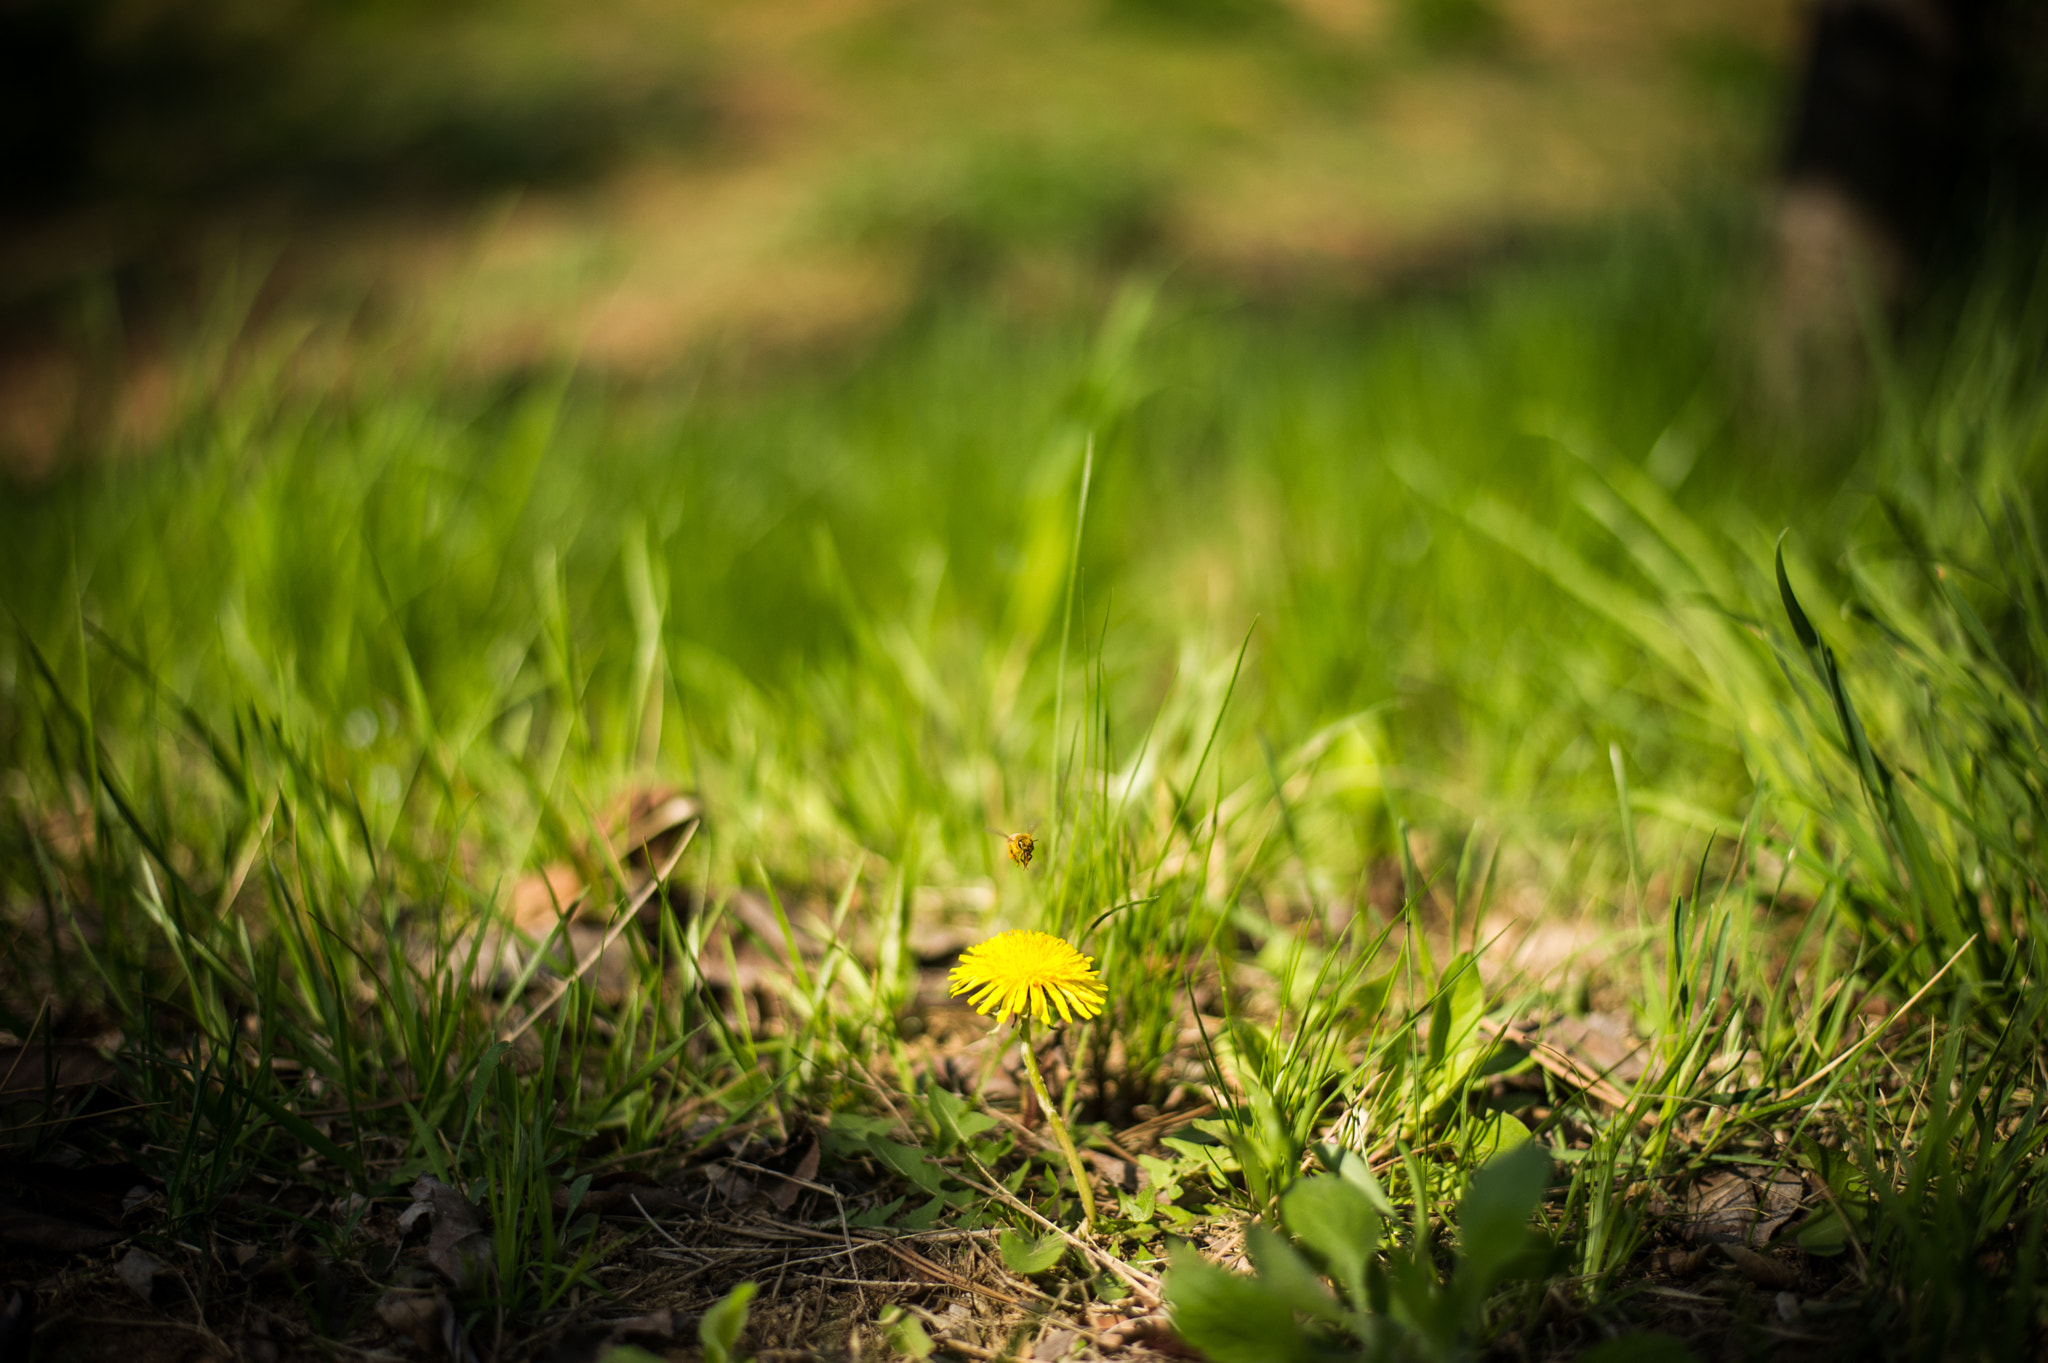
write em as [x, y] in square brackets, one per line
[1357, 1171]
[953, 1122]
[908, 1161]
[576, 1192]
[922, 1218]
[1230, 1318]
[905, 1333]
[1827, 1234]
[719, 1330]
[1458, 1010]
[1493, 1221]
[1289, 1276]
[1025, 1256]
[876, 1216]
[1369, 1000]
[856, 1127]
[1497, 1135]
[1336, 1222]
[1160, 1173]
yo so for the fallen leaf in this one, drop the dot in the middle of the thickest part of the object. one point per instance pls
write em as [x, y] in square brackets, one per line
[1153, 1331]
[644, 827]
[139, 1270]
[655, 1324]
[654, 817]
[1780, 1198]
[1719, 1209]
[429, 1319]
[1054, 1344]
[541, 898]
[257, 1345]
[1727, 1207]
[1101, 1318]
[786, 1191]
[942, 943]
[458, 1248]
[1678, 1263]
[255, 1264]
[410, 1312]
[596, 1342]
[1604, 1044]
[731, 1184]
[1119, 1173]
[1765, 1272]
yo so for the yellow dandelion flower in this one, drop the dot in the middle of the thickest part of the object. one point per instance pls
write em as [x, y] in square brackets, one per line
[1031, 973]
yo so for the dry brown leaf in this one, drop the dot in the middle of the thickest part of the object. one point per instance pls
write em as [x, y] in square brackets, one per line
[256, 1264]
[653, 816]
[458, 1248]
[1780, 1198]
[429, 1319]
[1153, 1331]
[1603, 1043]
[257, 1346]
[1719, 1209]
[138, 1271]
[1054, 1343]
[1677, 1263]
[1765, 1272]
[1727, 1207]
[541, 898]
[595, 1342]
[1118, 1173]
[731, 1184]
[787, 1191]
[645, 825]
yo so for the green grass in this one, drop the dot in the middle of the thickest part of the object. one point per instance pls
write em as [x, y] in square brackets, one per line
[1244, 610]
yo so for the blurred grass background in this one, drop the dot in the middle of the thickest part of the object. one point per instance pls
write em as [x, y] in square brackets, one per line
[514, 378]
[629, 184]
[821, 302]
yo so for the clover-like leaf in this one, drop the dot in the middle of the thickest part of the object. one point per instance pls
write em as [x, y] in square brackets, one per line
[1026, 1256]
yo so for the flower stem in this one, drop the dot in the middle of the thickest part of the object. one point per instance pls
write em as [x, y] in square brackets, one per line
[1059, 1126]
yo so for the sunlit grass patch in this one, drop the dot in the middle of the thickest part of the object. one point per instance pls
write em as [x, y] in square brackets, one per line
[1324, 657]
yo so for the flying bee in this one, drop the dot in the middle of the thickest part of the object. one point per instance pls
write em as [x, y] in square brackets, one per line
[1021, 846]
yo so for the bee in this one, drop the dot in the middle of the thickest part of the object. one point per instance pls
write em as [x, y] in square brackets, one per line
[1021, 847]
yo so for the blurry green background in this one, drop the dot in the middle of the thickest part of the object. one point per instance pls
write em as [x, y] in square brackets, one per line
[359, 355]
[636, 184]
